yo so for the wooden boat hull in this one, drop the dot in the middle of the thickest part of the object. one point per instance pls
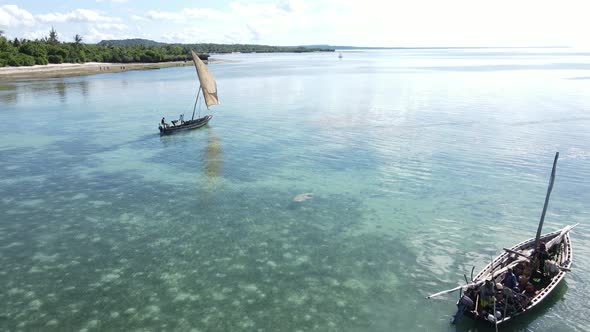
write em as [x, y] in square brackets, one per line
[187, 125]
[563, 259]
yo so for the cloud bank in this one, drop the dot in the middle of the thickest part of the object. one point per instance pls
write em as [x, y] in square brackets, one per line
[340, 22]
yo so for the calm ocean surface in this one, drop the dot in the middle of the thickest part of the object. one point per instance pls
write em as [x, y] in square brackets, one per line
[422, 164]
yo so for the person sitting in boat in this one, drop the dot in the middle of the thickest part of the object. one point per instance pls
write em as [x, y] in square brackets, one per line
[551, 267]
[530, 290]
[542, 256]
[499, 292]
[486, 295]
[521, 301]
[523, 280]
[518, 270]
[510, 280]
[537, 278]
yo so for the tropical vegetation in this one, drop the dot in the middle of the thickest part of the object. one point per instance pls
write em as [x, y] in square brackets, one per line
[23, 52]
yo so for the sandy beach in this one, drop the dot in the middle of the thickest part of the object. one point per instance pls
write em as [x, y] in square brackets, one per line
[79, 69]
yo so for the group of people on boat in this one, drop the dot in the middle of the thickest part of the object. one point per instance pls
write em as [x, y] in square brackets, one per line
[180, 121]
[512, 292]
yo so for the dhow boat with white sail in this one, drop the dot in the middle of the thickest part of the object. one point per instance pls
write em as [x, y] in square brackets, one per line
[208, 88]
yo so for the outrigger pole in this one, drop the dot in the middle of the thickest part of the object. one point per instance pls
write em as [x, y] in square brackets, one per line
[552, 179]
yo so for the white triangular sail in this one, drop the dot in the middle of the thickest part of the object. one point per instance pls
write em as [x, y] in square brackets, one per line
[208, 84]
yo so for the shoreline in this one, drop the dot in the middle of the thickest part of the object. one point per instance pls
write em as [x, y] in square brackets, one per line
[83, 69]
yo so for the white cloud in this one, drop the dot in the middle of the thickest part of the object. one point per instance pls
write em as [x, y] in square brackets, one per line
[273, 23]
[387, 23]
[110, 26]
[205, 35]
[203, 13]
[344, 22]
[256, 35]
[138, 18]
[241, 22]
[245, 35]
[13, 16]
[160, 15]
[35, 34]
[185, 14]
[26, 25]
[77, 15]
[94, 35]
[259, 10]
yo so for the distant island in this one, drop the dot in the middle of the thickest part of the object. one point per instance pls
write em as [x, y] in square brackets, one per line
[215, 48]
[23, 52]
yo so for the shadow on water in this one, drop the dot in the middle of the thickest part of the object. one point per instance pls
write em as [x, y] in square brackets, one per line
[60, 88]
[520, 323]
[211, 153]
[140, 140]
[64, 87]
[8, 98]
[181, 136]
[213, 156]
[8, 94]
[147, 137]
[83, 86]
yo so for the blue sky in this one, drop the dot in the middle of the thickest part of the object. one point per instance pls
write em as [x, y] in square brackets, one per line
[300, 22]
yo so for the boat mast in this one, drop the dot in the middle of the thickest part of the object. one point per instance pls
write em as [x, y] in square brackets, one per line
[196, 100]
[537, 238]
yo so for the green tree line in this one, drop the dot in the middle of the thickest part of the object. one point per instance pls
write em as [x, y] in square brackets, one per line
[23, 52]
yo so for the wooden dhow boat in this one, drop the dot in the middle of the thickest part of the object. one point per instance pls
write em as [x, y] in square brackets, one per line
[180, 125]
[208, 87]
[520, 278]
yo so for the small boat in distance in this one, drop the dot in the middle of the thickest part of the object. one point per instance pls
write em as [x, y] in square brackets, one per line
[339, 55]
[208, 87]
[520, 278]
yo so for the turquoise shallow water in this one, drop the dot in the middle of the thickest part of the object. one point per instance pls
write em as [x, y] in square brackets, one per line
[422, 163]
